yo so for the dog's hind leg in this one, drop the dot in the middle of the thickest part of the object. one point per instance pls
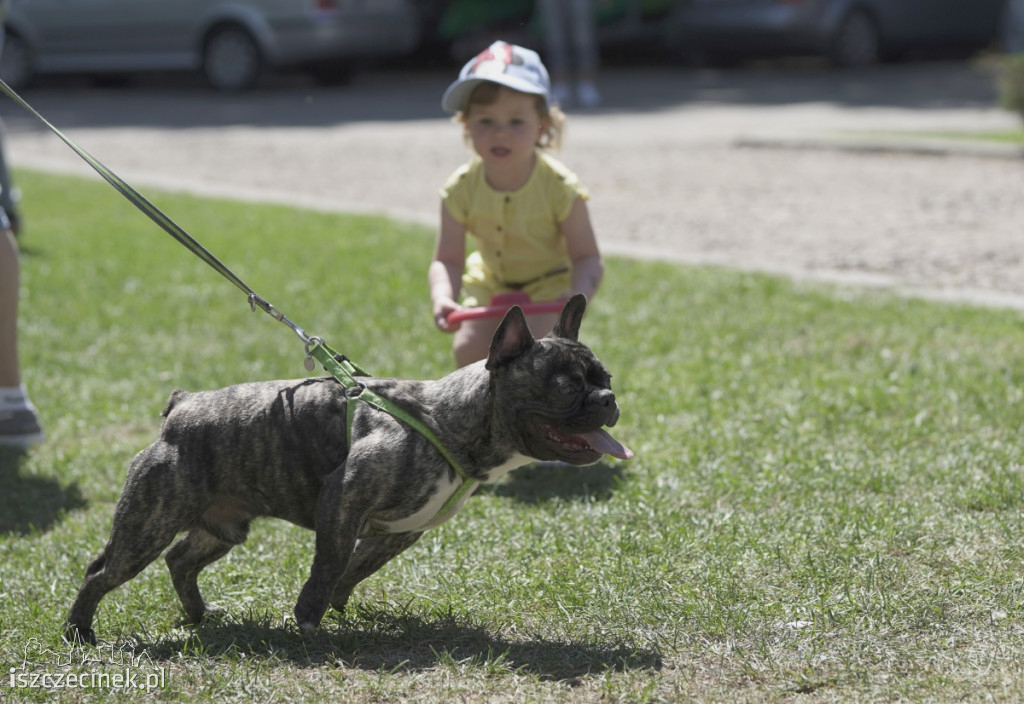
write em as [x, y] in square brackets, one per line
[136, 539]
[186, 560]
[145, 522]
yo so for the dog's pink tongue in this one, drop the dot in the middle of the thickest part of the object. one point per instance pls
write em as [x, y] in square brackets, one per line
[604, 443]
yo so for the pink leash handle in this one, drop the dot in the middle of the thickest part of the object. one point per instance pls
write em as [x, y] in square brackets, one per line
[501, 302]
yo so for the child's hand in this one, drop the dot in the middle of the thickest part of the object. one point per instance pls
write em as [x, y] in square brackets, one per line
[442, 307]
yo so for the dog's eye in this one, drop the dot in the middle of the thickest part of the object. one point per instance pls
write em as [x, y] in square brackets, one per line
[567, 384]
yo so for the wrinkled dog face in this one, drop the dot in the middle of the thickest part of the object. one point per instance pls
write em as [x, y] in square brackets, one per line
[563, 392]
[581, 401]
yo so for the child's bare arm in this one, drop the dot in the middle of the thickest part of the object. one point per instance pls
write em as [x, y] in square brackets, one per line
[445, 273]
[587, 264]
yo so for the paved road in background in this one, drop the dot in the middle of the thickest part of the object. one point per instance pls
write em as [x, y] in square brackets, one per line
[796, 170]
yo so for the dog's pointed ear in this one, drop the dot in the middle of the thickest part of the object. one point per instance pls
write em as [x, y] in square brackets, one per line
[511, 339]
[568, 325]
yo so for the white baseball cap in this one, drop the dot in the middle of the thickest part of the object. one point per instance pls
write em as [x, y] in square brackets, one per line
[506, 64]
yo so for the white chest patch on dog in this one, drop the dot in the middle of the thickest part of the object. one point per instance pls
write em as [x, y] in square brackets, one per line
[427, 517]
[513, 462]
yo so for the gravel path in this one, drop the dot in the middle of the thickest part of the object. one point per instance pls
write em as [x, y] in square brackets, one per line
[801, 172]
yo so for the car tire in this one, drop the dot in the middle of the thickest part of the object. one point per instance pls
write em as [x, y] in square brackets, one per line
[16, 62]
[857, 42]
[231, 59]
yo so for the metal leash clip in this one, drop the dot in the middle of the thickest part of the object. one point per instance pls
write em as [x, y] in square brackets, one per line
[256, 301]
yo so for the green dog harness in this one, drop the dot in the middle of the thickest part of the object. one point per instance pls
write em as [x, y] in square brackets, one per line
[345, 371]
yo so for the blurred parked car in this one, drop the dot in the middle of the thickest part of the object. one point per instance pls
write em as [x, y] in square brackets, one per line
[230, 41]
[849, 32]
[459, 28]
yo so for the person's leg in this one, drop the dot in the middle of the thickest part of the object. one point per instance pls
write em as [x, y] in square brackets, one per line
[8, 193]
[1013, 27]
[556, 55]
[585, 51]
[541, 324]
[19, 424]
[9, 371]
[473, 340]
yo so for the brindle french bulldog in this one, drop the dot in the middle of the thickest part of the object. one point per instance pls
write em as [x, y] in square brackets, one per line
[281, 449]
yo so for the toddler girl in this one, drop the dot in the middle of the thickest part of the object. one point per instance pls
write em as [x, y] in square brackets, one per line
[525, 211]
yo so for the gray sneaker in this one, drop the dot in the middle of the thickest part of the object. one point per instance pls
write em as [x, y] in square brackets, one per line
[20, 428]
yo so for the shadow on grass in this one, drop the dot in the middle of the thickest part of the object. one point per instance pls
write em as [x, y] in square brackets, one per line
[398, 641]
[545, 481]
[31, 504]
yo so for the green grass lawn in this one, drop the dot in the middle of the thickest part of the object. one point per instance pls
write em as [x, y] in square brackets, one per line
[827, 502]
[1007, 136]
[1011, 137]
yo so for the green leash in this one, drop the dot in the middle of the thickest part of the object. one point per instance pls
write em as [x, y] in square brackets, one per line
[337, 365]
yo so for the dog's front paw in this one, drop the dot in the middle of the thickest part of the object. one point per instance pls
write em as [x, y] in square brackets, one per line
[207, 612]
[312, 604]
[75, 635]
[308, 617]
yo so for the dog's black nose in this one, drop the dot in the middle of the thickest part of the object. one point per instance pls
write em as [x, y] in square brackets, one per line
[605, 397]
